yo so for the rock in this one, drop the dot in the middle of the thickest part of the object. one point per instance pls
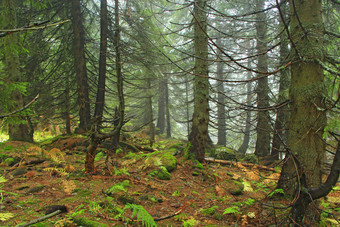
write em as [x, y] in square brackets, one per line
[224, 153]
[250, 158]
[125, 199]
[35, 189]
[232, 186]
[19, 172]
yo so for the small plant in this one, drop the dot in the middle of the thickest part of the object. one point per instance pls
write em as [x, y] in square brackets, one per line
[209, 211]
[176, 193]
[276, 192]
[119, 187]
[119, 172]
[3, 216]
[141, 214]
[249, 202]
[190, 223]
[232, 210]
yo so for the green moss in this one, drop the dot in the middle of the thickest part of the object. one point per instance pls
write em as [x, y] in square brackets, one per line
[161, 173]
[225, 153]
[164, 158]
[209, 211]
[251, 158]
[9, 161]
[82, 221]
[199, 165]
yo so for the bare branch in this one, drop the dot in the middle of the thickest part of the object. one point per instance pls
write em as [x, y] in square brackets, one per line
[21, 109]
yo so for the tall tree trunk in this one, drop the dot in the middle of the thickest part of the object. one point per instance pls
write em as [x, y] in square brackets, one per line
[187, 105]
[18, 126]
[100, 100]
[307, 117]
[67, 106]
[80, 66]
[161, 105]
[199, 129]
[149, 111]
[280, 126]
[263, 126]
[221, 113]
[167, 109]
[246, 137]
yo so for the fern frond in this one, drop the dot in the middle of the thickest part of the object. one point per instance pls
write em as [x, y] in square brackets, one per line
[58, 171]
[141, 214]
[6, 216]
[119, 187]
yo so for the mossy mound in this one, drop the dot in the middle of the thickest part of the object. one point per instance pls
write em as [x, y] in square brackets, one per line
[161, 173]
[251, 158]
[233, 187]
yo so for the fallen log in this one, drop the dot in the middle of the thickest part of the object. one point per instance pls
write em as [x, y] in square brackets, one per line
[251, 165]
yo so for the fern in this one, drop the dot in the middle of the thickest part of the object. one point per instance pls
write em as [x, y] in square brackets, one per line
[6, 216]
[58, 171]
[232, 210]
[119, 187]
[141, 214]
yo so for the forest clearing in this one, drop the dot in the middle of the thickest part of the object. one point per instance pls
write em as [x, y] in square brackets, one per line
[169, 113]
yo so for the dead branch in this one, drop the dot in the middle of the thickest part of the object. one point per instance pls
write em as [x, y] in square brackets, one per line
[21, 109]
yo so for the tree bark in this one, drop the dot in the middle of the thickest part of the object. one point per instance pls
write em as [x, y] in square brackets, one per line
[100, 99]
[282, 114]
[245, 143]
[80, 66]
[161, 105]
[199, 129]
[262, 147]
[167, 109]
[221, 113]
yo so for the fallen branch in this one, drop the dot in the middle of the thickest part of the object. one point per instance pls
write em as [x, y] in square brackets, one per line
[41, 218]
[242, 163]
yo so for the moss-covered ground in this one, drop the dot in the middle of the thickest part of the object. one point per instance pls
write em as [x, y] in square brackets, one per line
[197, 194]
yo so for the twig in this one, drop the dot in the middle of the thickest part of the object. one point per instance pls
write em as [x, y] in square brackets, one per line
[242, 163]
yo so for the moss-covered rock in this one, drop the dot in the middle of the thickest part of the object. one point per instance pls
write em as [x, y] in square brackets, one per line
[164, 158]
[251, 158]
[82, 221]
[224, 153]
[161, 173]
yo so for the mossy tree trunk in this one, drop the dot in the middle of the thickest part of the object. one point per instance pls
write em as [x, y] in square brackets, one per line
[18, 126]
[307, 116]
[199, 129]
[262, 147]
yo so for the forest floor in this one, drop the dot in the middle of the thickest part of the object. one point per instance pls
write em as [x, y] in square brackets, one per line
[42, 175]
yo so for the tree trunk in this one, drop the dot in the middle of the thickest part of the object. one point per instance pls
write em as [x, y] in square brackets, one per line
[263, 127]
[199, 129]
[221, 113]
[18, 126]
[282, 114]
[161, 105]
[167, 109]
[245, 144]
[100, 100]
[307, 117]
[149, 111]
[80, 66]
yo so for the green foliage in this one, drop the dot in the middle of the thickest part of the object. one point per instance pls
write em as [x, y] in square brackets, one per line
[208, 211]
[190, 223]
[122, 171]
[161, 173]
[99, 156]
[141, 214]
[249, 202]
[4, 216]
[199, 165]
[232, 210]
[119, 187]
[276, 191]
